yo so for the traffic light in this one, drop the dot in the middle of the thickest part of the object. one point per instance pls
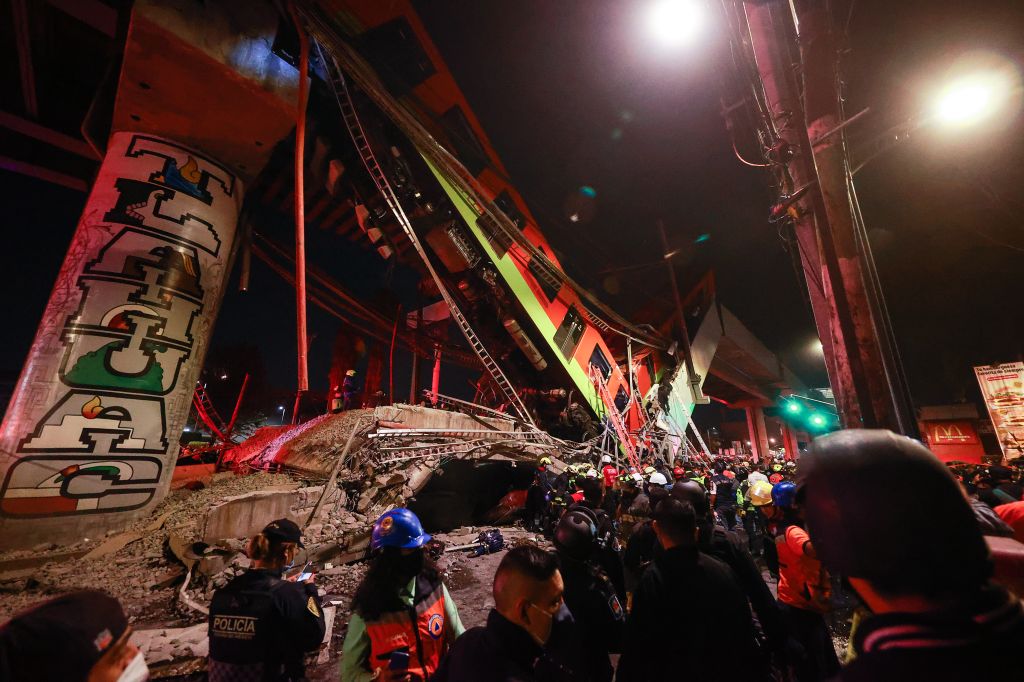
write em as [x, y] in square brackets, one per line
[814, 416]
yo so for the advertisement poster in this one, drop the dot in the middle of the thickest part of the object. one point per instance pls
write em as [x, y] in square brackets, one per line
[1002, 388]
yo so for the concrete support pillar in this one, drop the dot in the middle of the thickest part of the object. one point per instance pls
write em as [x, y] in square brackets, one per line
[789, 442]
[758, 433]
[90, 438]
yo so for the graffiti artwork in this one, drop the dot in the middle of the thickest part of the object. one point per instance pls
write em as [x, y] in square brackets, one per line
[93, 423]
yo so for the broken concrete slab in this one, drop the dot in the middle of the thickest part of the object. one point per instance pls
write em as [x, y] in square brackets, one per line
[416, 417]
[248, 514]
[112, 545]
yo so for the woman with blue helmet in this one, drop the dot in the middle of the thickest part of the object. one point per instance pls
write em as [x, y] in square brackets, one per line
[403, 619]
[804, 585]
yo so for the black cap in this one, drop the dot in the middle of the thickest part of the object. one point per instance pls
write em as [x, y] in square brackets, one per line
[284, 530]
[692, 492]
[60, 639]
[882, 507]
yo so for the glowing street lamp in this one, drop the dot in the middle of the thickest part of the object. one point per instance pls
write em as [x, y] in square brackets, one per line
[972, 99]
[675, 23]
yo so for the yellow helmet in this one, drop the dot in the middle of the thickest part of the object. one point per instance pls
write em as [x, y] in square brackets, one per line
[545, 461]
[759, 493]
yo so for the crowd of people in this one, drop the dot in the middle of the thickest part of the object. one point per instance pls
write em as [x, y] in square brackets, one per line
[655, 573]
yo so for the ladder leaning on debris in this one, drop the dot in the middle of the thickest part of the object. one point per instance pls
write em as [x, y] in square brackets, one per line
[362, 144]
[614, 417]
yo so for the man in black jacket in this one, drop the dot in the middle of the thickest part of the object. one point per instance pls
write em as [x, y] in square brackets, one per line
[590, 595]
[886, 514]
[727, 547]
[511, 647]
[688, 610]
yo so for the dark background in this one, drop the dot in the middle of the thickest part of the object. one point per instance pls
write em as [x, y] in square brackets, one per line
[575, 93]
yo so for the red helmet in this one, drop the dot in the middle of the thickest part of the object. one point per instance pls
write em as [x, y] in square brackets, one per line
[678, 472]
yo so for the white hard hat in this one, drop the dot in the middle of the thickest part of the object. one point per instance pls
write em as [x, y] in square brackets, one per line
[606, 459]
[591, 473]
[658, 478]
[757, 476]
[638, 478]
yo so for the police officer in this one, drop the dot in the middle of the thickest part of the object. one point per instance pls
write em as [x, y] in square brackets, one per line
[260, 625]
[589, 593]
[403, 619]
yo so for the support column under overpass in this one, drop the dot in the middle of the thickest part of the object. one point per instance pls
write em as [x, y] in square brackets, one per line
[758, 433]
[789, 442]
[92, 428]
[91, 434]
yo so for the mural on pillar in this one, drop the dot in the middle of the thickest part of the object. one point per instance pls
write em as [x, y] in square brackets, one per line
[104, 414]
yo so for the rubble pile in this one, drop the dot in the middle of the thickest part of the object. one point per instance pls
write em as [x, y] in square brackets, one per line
[141, 573]
[165, 568]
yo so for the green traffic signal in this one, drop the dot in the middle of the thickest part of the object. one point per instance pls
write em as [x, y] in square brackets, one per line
[793, 407]
[818, 420]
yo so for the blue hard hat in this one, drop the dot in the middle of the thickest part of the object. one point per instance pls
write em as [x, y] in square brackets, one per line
[398, 528]
[784, 494]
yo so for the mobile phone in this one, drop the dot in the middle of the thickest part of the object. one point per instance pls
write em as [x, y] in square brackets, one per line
[304, 576]
[399, 660]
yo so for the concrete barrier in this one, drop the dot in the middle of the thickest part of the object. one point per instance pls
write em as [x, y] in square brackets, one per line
[246, 515]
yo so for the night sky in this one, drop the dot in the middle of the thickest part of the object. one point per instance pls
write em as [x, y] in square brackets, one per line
[575, 94]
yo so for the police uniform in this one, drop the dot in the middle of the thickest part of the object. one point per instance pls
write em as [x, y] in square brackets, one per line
[595, 606]
[260, 626]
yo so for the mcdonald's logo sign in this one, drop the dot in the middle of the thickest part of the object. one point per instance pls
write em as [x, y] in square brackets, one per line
[952, 432]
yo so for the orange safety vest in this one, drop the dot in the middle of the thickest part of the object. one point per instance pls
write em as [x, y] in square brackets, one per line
[420, 630]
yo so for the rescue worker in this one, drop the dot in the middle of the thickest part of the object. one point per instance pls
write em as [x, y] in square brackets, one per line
[349, 391]
[760, 497]
[688, 612]
[747, 513]
[804, 588]
[260, 626]
[884, 513]
[538, 495]
[403, 619]
[608, 471]
[76, 637]
[589, 593]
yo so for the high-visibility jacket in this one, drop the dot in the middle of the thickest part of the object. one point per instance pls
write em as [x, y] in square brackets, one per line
[420, 630]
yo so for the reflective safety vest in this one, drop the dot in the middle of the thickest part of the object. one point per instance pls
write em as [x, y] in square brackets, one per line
[420, 630]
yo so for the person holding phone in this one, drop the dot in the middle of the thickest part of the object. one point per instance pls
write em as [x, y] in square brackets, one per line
[403, 619]
[260, 624]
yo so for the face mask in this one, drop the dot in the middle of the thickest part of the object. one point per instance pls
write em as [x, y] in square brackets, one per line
[409, 566]
[137, 670]
[541, 637]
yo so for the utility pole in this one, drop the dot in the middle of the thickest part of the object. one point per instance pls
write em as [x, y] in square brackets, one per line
[816, 185]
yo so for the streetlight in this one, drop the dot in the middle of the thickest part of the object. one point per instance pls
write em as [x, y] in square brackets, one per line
[675, 23]
[280, 408]
[969, 100]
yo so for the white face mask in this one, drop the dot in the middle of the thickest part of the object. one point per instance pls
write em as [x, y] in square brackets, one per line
[137, 670]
